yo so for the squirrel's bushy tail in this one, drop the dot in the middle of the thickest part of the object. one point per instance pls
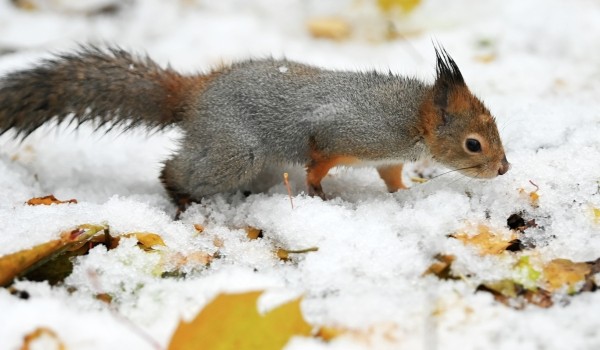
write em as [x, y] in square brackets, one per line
[108, 86]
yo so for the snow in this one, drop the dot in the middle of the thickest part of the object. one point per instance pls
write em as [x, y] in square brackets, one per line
[542, 86]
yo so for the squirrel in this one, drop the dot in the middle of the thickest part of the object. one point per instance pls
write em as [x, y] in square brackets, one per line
[238, 118]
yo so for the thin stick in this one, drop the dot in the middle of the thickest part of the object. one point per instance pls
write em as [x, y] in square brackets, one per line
[289, 189]
[537, 188]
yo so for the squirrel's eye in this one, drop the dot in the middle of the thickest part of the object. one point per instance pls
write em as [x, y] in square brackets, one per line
[473, 145]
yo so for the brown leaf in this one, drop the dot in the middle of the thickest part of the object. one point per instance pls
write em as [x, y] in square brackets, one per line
[218, 242]
[48, 200]
[442, 267]
[560, 273]
[253, 232]
[199, 228]
[515, 295]
[518, 223]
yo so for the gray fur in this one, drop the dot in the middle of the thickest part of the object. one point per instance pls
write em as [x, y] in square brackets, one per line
[270, 111]
[252, 114]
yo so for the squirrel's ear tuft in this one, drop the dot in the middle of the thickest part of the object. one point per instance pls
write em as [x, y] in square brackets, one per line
[446, 69]
[448, 77]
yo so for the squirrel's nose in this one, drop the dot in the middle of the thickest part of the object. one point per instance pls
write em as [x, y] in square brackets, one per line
[504, 166]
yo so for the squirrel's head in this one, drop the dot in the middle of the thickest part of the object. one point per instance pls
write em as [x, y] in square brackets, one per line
[457, 127]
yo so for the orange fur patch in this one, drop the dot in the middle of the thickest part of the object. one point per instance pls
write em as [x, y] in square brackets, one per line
[392, 176]
[320, 164]
[180, 88]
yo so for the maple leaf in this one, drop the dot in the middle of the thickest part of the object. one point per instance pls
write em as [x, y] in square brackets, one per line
[232, 321]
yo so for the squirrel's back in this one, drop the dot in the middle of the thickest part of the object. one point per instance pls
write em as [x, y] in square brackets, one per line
[288, 106]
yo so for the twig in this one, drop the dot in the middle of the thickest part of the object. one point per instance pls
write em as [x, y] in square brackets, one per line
[289, 189]
[537, 188]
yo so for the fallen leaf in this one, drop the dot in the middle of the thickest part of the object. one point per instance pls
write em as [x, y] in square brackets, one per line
[515, 295]
[532, 196]
[560, 273]
[253, 232]
[218, 242]
[48, 200]
[42, 332]
[329, 28]
[284, 254]
[232, 321]
[19, 263]
[405, 6]
[486, 58]
[442, 267]
[104, 297]
[418, 180]
[146, 240]
[517, 222]
[330, 333]
[528, 274]
[26, 5]
[596, 213]
[488, 242]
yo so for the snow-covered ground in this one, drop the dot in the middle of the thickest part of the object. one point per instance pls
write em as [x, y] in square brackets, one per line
[535, 63]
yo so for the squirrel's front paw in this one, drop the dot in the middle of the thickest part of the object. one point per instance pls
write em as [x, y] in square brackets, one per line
[316, 191]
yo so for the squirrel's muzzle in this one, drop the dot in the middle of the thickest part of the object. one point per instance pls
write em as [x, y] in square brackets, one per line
[504, 166]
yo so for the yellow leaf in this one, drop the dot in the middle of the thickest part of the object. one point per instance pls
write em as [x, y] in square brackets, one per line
[329, 28]
[330, 333]
[533, 196]
[418, 180]
[488, 242]
[232, 321]
[18, 263]
[559, 273]
[253, 232]
[596, 212]
[405, 6]
[146, 240]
